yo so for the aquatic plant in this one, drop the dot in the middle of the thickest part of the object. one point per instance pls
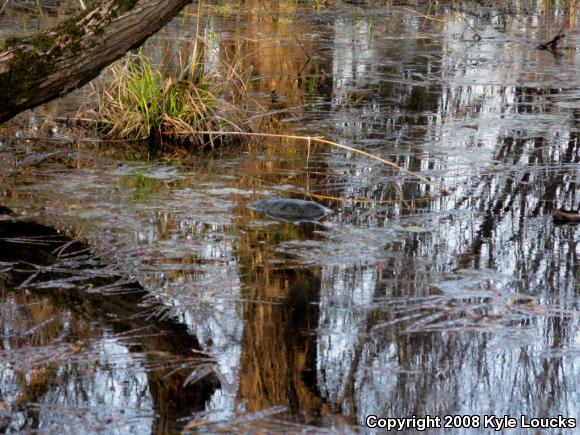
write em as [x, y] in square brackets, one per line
[139, 100]
[312, 84]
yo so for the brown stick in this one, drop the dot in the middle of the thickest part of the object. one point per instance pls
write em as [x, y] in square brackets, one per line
[553, 43]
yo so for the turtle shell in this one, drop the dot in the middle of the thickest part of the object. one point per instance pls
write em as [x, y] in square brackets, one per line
[293, 210]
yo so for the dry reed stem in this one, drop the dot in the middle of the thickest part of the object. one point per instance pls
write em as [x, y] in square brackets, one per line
[428, 17]
[321, 140]
[3, 6]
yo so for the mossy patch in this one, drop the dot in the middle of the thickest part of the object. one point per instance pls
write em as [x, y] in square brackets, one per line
[35, 56]
[45, 41]
[71, 28]
[41, 41]
[27, 70]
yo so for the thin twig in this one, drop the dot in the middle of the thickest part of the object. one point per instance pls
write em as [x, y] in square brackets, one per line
[321, 140]
[305, 52]
[3, 7]
[428, 17]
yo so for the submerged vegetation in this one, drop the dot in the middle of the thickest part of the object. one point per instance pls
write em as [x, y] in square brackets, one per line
[142, 101]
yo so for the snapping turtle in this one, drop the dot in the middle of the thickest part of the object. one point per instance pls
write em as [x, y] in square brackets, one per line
[293, 210]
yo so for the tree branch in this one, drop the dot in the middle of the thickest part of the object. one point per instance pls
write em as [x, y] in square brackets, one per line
[38, 68]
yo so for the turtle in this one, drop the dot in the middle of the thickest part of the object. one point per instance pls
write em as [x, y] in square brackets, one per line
[290, 210]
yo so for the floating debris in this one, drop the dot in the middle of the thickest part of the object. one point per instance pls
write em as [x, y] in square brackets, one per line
[566, 216]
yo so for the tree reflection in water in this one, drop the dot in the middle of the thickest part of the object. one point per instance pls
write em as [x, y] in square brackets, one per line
[404, 302]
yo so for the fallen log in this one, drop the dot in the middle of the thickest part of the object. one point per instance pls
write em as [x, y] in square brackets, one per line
[38, 68]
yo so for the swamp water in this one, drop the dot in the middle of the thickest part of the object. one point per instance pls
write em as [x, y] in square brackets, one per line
[403, 302]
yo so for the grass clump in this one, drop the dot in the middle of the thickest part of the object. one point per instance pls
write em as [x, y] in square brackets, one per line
[171, 107]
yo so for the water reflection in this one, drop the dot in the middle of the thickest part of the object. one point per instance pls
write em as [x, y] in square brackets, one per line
[405, 302]
[78, 345]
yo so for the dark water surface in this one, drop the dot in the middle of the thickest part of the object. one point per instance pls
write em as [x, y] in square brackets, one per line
[404, 302]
